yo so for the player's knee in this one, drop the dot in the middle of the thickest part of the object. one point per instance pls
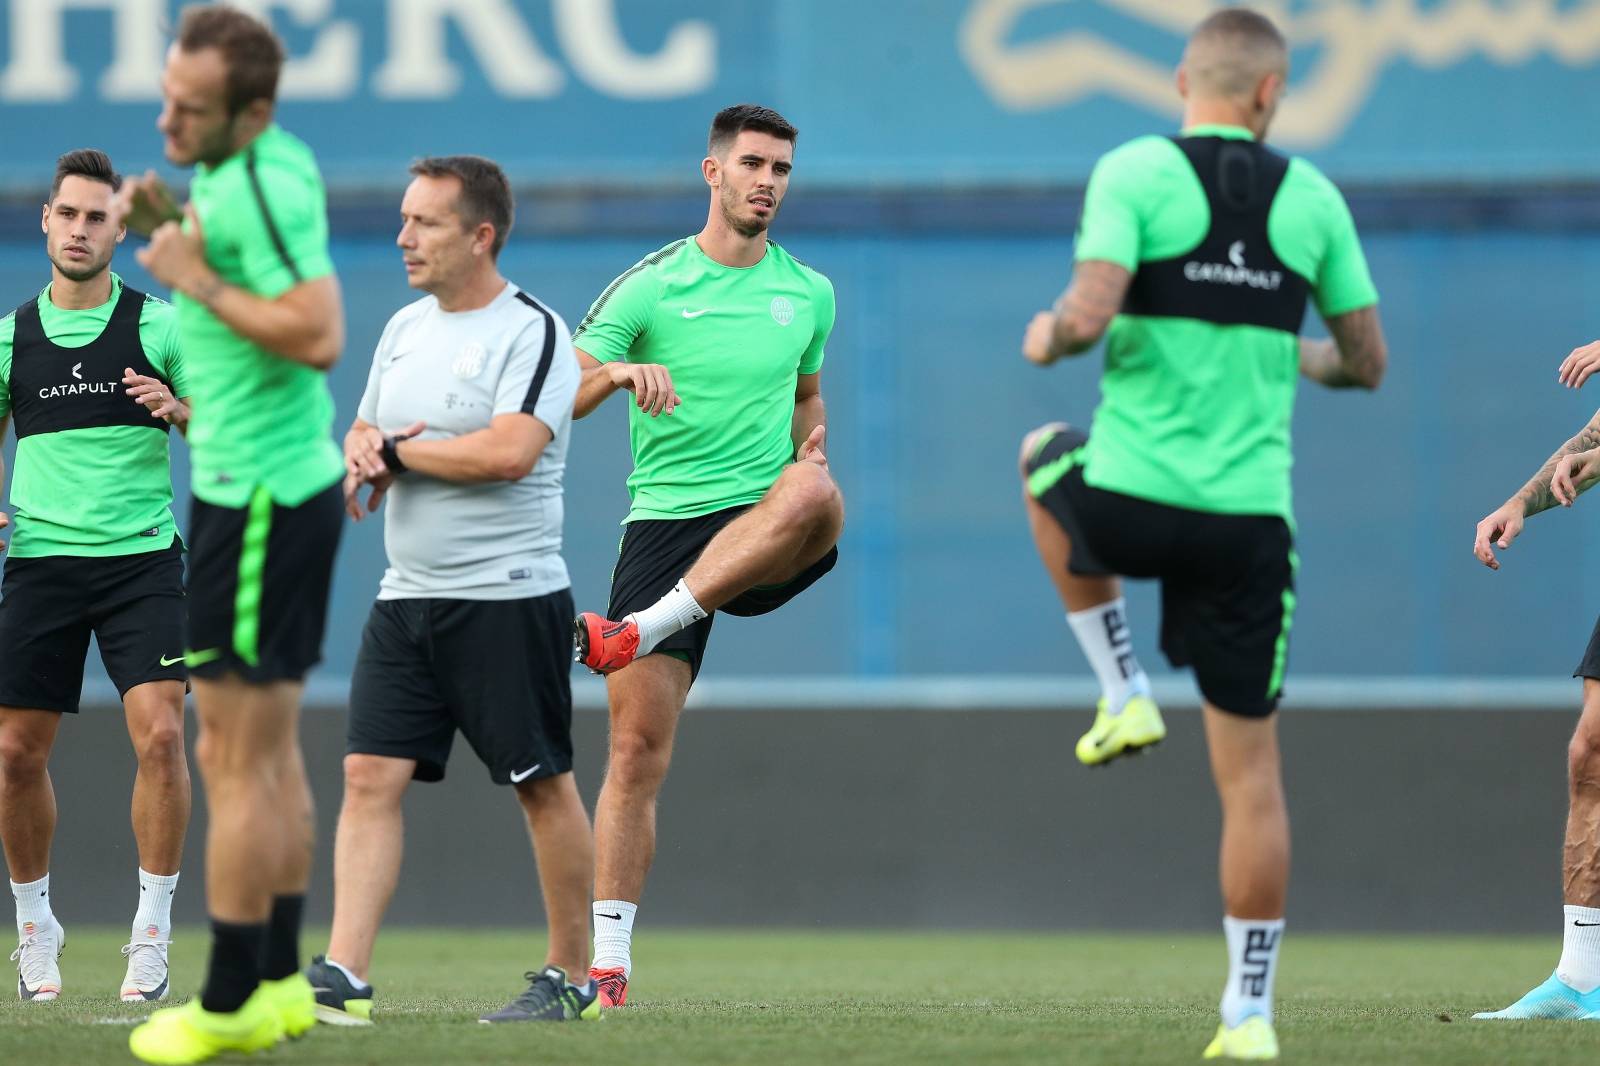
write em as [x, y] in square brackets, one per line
[811, 493]
[22, 758]
[1583, 753]
[1032, 440]
[371, 779]
[160, 745]
[638, 760]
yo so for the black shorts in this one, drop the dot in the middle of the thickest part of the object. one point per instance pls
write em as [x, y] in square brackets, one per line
[1227, 581]
[498, 670]
[258, 585]
[133, 604]
[657, 552]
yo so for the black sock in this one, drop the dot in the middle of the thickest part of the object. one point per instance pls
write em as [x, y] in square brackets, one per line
[235, 969]
[282, 955]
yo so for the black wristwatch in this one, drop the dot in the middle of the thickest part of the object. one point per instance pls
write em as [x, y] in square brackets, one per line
[390, 454]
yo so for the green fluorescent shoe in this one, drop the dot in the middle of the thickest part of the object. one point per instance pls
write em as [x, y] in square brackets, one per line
[190, 1033]
[1136, 727]
[550, 998]
[339, 1001]
[1252, 1038]
[294, 1001]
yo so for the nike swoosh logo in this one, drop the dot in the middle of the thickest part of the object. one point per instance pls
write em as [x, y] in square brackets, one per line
[200, 658]
[1585, 923]
[517, 779]
[696, 314]
[603, 914]
[168, 662]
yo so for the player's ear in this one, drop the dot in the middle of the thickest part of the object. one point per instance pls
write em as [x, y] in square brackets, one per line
[44, 219]
[1182, 78]
[711, 170]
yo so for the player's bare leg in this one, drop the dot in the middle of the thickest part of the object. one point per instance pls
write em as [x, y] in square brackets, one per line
[1126, 719]
[563, 846]
[161, 789]
[27, 800]
[795, 524]
[27, 826]
[161, 802]
[1254, 871]
[645, 699]
[367, 851]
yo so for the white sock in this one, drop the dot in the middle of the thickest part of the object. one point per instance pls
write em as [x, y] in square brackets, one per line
[1580, 949]
[675, 611]
[355, 981]
[1107, 643]
[1252, 965]
[33, 903]
[613, 934]
[153, 919]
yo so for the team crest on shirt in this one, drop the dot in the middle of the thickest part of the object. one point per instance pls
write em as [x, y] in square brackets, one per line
[469, 360]
[782, 311]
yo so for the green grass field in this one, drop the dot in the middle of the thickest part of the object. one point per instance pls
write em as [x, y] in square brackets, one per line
[785, 997]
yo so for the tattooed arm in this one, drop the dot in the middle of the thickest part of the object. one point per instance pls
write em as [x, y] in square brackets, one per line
[1355, 358]
[1501, 527]
[1081, 315]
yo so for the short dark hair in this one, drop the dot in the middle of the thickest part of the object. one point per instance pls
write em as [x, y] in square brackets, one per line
[89, 163]
[485, 192]
[252, 52]
[732, 121]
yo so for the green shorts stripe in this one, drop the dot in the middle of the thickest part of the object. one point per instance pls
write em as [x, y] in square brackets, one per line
[252, 564]
[1280, 651]
[1044, 479]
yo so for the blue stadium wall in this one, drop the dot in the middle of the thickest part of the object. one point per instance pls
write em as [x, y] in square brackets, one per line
[943, 143]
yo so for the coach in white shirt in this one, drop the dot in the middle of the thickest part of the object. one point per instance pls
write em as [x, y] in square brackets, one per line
[464, 427]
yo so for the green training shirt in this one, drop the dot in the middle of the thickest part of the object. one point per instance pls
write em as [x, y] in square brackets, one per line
[1192, 413]
[258, 419]
[735, 340]
[101, 490]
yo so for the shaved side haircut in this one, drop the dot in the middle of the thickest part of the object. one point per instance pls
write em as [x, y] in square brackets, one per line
[1232, 50]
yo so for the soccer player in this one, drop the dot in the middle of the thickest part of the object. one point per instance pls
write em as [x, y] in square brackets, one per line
[1573, 990]
[1195, 258]
[471, 629]
[92, 371]
[733, 507]
[261, 318]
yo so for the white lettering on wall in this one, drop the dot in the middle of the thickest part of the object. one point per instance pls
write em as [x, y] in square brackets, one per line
[332, 69]
[418, 67]
[593, 43]
[39, 72]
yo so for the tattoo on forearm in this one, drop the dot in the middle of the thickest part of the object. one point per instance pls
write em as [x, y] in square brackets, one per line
[1362, 354]
[1536, 495]
[1090, 303]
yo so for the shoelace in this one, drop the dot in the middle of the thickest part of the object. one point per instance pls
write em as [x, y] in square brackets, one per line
[147, 962]
[541, 992]
[35, 953]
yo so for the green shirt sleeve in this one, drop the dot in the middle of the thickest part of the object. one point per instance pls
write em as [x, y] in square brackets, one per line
[1340, 279]
[158, 332]
[619, 316]
[811, 361]
[283, 234]
[1110, 227]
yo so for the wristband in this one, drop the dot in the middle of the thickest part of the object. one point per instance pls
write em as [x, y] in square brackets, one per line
[390, 454]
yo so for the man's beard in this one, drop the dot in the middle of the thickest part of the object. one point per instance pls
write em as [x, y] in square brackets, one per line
[80, 273]
[752, 226]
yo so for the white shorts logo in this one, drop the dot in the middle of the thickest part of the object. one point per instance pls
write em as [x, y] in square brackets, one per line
[782, 311]
[469, 361]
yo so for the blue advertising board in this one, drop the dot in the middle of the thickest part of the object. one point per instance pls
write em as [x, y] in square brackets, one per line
[617, 93]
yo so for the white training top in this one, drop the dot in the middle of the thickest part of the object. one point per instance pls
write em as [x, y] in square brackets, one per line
[455, 371]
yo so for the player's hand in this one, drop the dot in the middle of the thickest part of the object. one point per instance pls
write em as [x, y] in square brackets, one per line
[1038, 343]
[1579, 366]
[810, 450]
[177, 257]
[1499, 528]
[352, 494]
[143, 204]
[154, 395]
[650, 384]
[1575, 473]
